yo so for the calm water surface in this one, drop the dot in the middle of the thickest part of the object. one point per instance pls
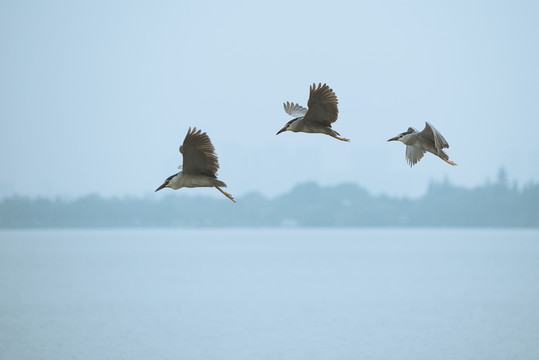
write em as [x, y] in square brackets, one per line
[269, 294]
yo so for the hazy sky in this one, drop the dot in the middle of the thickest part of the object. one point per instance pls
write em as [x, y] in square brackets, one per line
[96, 97]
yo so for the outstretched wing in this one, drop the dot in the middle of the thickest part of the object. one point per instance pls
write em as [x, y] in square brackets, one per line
[322, 105]
[294, 110]
[430, 133]
[199, 156]
[413, 155]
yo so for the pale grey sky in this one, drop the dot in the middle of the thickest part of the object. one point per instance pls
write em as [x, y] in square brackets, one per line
[96, 97]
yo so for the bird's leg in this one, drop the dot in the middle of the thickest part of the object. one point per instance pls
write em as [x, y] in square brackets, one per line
[335, 134]
[450, 162]
[225, 193]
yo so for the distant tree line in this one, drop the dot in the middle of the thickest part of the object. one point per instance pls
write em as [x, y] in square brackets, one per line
[308, 205]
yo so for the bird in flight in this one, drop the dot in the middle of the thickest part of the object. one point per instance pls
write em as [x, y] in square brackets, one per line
[417, 143]
[200, 165]
[321, 113]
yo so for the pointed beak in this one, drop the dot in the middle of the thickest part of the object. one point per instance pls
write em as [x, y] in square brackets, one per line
[282, 130]
[394, 138]
[160, 187]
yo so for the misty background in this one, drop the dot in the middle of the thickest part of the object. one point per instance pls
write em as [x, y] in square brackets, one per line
[96, 97]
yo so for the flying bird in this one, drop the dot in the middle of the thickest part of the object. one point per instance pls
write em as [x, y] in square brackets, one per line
[200, 165]
[417, 143]
[321, 113]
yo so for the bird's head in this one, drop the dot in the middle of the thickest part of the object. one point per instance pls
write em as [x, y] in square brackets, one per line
[403, 135]
[289, 126]
[166, 183]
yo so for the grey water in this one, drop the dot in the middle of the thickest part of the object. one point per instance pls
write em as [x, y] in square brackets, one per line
[269, 294]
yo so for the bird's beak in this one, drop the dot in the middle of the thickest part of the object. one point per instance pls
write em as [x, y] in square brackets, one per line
[394, 138]
[282, 130]
[160, 187]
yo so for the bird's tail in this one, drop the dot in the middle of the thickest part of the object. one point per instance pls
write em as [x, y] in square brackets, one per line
[443, 155]
[218, 183]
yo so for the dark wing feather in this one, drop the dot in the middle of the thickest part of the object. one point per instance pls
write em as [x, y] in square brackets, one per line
[199, 156]
[322, 105]
[430, 133]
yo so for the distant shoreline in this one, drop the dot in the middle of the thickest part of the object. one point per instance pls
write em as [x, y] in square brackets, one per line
[308, 205]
